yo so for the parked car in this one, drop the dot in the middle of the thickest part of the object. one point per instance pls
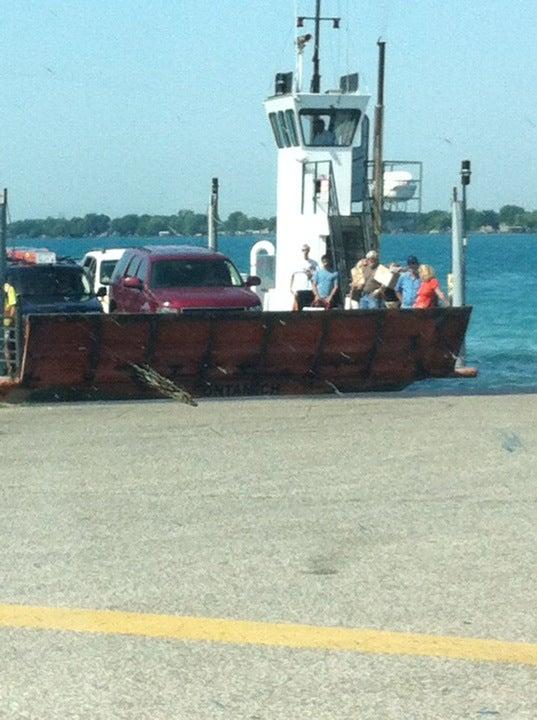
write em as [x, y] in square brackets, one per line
[176, 278]
[99, 265]
[45, 285]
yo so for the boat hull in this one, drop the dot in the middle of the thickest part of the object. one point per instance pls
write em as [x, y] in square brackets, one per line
[228, 354]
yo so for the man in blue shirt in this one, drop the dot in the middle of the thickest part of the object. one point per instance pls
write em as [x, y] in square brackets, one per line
[408, 283]
[325, 283]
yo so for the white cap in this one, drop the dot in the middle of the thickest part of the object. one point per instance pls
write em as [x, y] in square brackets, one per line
[372, 254]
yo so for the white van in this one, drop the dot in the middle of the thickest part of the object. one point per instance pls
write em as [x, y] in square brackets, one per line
[99, 266]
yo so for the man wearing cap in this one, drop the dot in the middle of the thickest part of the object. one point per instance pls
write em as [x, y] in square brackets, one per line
[408, 283]
[301, 280]
[372, 293]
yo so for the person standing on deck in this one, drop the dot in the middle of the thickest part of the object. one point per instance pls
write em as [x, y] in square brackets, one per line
[372, 291]
[301, 280]
[408, 283]
[325, 285]
[357, 283]
[429, 292]
[10, 309]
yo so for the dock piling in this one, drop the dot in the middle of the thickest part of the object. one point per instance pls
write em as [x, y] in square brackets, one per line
[457, 264]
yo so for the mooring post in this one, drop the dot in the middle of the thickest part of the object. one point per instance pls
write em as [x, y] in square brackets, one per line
[466, 174]
[213, 217]
[457, 263]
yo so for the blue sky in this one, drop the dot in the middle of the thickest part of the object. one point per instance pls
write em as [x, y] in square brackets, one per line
[124, 106]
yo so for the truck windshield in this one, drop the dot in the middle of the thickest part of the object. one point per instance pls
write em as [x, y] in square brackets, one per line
[194, 273]
[49, 281]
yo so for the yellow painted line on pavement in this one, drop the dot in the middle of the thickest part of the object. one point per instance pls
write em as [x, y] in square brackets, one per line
[241, 632]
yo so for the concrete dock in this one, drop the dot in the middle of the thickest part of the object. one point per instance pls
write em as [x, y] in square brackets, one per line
[327, 558]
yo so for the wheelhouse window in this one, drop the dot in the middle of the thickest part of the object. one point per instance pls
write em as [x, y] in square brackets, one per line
[284, 127]
[329, 128]
[291, 126]
[276, 130]
[194, 273]
[284, 130]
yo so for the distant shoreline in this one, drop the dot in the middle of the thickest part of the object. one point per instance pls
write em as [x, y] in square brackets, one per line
[511, 219]
[246, 233]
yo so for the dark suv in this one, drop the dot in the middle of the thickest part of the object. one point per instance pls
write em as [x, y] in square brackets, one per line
[52, 288]
[177, 278]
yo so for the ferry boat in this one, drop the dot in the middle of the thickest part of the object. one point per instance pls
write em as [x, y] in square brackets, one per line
[323, 200]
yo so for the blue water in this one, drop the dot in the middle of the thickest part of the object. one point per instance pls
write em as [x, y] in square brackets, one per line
[501, 287]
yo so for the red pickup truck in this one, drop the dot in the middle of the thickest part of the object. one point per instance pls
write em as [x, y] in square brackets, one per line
[175, 278]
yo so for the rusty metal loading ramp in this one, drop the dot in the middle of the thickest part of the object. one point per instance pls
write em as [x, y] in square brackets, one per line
[223, 354]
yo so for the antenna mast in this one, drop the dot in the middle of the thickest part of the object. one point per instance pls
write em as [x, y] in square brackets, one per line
[316, 77]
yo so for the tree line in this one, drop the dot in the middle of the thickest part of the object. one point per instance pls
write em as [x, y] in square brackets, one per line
[508, 216]
[185, 222]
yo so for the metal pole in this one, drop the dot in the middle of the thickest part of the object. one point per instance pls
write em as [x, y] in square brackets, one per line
[378, 172]
[464, 243]
[212, 217]
[3, 243]
[316, 78]
[299, 70]
[457, 252]
[466, 174]
[457, 263]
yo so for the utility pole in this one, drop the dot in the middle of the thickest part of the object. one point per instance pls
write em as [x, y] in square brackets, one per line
[316, 77]
[212, 217]
[378, 165]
